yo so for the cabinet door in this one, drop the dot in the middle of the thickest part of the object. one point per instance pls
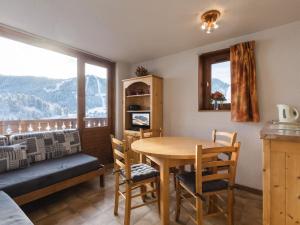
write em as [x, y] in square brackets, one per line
[277, 184]
[293, 188]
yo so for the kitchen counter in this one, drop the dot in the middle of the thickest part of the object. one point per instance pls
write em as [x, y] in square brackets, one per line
[281, 176]
[281, 131]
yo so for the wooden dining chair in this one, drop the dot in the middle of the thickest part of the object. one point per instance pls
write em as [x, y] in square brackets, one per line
[156, 133]
[133, 176]
[224, 138]
[146, 133]
[199, 185]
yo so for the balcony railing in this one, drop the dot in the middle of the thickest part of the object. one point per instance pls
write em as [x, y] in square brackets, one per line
[22, 126]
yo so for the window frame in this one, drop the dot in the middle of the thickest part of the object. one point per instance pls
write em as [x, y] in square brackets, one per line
[110, 93]
[204, 78]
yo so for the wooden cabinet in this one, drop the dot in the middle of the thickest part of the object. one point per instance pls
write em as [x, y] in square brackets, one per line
[147, 93]
[281, 177]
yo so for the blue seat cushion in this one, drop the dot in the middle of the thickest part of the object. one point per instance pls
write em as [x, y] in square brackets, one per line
[141, 172]
[189, 180]
[10, 212]
[45, 173]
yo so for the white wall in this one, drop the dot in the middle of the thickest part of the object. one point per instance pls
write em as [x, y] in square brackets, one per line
[278, 76]
[122, 72]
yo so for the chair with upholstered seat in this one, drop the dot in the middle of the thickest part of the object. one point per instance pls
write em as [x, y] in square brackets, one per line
[204, 182]
[224, 138]
[144, 133]
[134, 176]
[148, 133]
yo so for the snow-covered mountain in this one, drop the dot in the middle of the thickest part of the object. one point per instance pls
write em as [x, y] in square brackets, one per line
[28, 97]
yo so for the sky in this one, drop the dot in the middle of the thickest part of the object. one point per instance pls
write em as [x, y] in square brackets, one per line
[221, 71]
[19, 59]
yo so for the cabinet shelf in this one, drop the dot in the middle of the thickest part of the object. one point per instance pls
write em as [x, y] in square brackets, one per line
[142, 95]
[134, 96]
[133, 111]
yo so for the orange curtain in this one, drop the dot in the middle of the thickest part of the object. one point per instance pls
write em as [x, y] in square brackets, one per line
[244, 105]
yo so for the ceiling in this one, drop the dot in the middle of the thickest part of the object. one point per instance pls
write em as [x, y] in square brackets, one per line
[138, 30]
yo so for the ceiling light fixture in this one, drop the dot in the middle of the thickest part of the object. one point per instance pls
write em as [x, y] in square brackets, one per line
[209, 21]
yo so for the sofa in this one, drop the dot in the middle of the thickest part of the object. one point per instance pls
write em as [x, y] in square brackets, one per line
[34, 165]
[10, 212]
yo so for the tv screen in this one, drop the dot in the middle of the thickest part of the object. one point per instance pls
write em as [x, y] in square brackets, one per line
[141, 119]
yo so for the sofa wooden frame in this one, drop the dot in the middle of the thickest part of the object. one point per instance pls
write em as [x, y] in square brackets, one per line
[43, 192]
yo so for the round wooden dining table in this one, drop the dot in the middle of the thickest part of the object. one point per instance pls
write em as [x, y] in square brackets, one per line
[169, 152]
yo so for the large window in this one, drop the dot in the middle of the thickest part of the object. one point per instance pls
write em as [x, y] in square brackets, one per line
[41, 86]
[215, 81]
[36, 84]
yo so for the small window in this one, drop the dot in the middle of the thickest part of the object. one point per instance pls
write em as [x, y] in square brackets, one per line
[215, 81]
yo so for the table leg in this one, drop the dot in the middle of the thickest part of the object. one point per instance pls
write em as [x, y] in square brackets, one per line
[164, 193]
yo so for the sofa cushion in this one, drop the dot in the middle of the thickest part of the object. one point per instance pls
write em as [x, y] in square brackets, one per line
[73, 137]
[10, 212]
[3, 140]
[13, 157]
[43, 174]
[66, 141]
[36, 147]
[49, 144]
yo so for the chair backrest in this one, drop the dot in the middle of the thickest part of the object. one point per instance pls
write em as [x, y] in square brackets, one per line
[129, 139]
[228, 167]
[224, 138]
[150, 133]
[121, 156]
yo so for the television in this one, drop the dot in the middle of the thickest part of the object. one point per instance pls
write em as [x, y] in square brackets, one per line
[140, 120]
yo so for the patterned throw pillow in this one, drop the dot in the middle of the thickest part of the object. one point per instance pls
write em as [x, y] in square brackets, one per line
[3, 140]
[66, 142]
[72, 137]
[36, 148]
[13, 157]
[49, 145]
[59, 146]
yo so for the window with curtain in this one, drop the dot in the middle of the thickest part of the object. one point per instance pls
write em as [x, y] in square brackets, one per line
[215, 80]
[227, 81]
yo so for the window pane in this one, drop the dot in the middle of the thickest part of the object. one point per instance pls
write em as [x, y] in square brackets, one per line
[38, 88]
[95, 95]
[221, 79]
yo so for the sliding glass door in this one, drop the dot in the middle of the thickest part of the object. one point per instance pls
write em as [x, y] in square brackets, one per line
[98, 119]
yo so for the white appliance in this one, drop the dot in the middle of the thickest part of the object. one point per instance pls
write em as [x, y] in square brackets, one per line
[287, 113]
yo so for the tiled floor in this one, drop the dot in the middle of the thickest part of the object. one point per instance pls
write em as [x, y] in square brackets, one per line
[88, 204]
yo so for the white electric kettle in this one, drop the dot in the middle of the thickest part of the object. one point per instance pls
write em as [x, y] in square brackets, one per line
[287, 113]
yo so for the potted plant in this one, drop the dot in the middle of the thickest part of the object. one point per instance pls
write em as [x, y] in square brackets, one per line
[141, 71]
[217, 97]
